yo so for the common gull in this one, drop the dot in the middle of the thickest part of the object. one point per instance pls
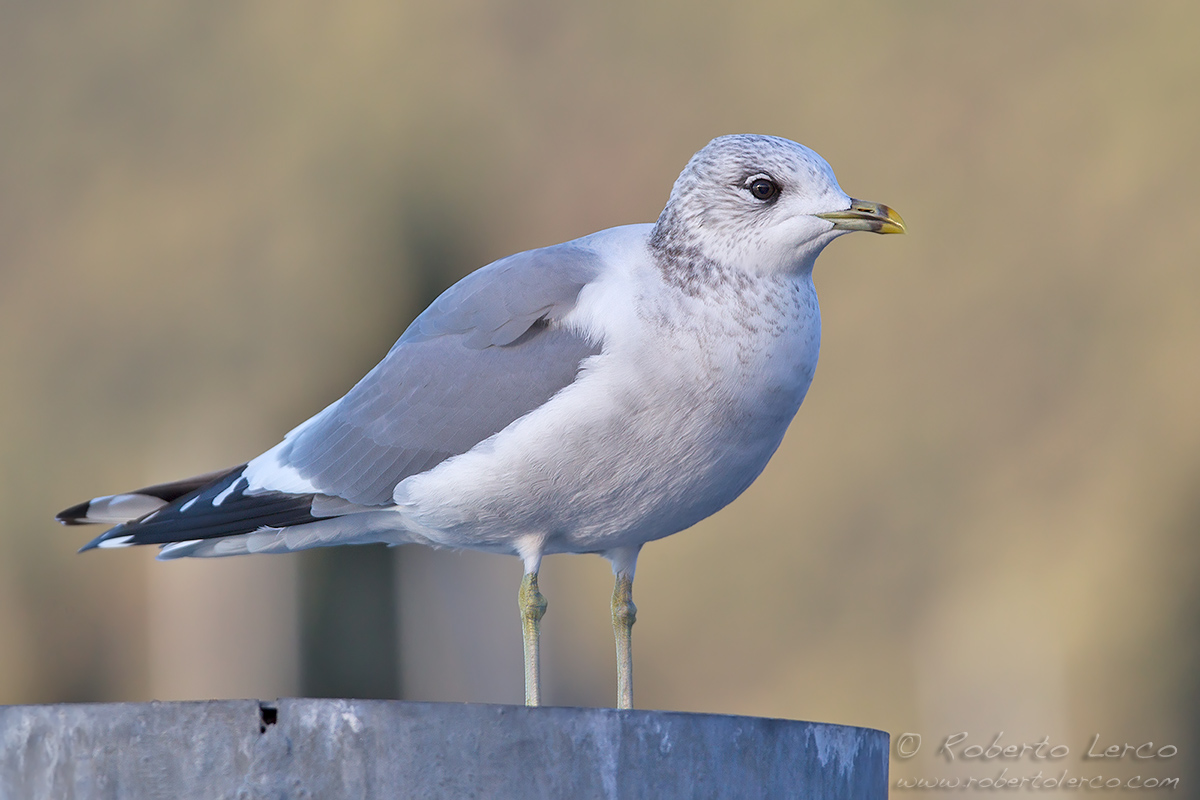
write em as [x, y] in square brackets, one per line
[587, 397]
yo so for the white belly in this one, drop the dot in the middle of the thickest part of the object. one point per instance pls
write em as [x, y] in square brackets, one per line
[645, 443]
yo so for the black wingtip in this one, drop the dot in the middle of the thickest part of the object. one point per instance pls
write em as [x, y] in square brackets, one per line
[111, 533]
[75, 515]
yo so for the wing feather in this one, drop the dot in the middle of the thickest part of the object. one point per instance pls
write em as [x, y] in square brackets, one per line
[488, 351]
[485, 353]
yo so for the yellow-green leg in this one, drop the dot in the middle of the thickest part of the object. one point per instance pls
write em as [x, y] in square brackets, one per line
[533, 606]
[624, 614]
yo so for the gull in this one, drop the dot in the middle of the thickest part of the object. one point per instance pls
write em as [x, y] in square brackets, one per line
[586, 397]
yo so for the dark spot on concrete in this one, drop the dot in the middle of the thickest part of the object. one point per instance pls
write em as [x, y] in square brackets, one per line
[268, 716]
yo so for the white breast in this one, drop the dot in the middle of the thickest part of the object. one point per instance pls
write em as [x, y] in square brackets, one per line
[672, 421]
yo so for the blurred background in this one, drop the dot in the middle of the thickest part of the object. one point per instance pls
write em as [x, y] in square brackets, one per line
[215, 217]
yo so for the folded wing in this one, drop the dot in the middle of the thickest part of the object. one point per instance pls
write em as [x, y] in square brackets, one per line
[489, 350]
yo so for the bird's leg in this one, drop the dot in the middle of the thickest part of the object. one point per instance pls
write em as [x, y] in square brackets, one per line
[533, 606]
[624, 614]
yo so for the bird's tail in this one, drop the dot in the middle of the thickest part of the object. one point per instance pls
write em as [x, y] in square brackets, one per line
[117, 508]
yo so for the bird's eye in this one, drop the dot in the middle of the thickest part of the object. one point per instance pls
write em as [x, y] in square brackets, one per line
[763, 188]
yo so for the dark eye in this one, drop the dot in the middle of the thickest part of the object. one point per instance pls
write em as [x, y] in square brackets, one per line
[763, 188]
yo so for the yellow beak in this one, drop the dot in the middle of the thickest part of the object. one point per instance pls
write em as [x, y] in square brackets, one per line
[864, 215]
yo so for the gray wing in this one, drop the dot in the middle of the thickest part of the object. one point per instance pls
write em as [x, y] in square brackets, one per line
[485, 353]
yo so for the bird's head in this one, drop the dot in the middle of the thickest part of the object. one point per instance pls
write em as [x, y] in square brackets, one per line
[763, 204]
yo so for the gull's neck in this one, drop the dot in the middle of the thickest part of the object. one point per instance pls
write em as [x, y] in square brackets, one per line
[687, 261]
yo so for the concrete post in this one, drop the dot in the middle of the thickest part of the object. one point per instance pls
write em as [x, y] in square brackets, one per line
[380, 748]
